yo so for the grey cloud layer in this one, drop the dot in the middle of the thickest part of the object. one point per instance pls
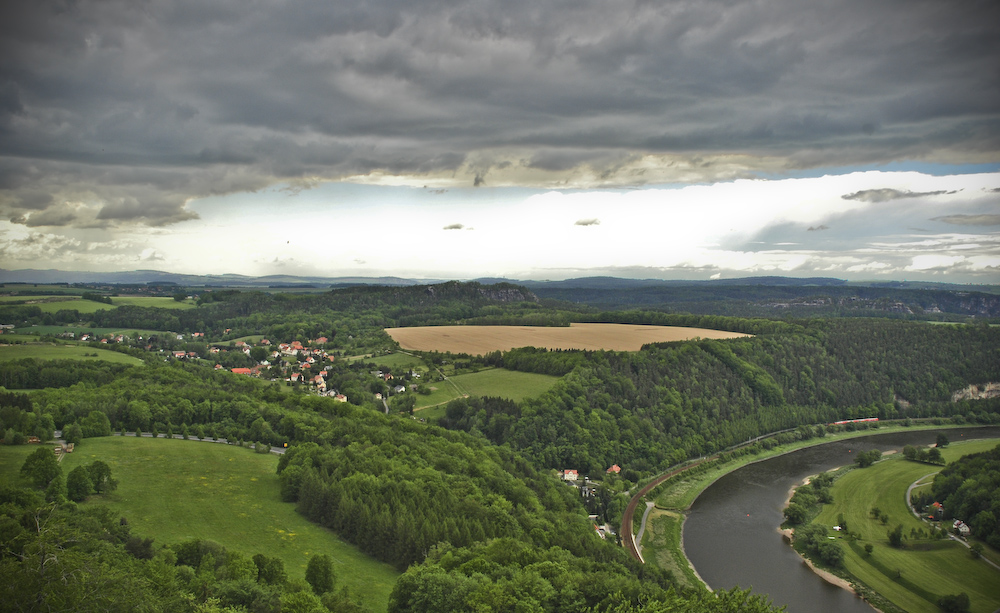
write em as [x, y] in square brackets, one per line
[115, 111]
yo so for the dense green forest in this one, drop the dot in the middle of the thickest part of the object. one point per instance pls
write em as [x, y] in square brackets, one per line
[469, 504]
[651, 409]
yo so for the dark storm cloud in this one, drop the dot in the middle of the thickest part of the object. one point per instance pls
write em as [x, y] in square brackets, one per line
[970, 220]
[886, 194]
[817, 228]
[136, 108]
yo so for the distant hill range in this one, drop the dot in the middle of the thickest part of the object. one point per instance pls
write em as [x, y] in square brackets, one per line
[158, 277]
[749, 296]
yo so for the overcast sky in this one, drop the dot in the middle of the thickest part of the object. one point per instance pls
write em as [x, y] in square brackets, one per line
[460, 138]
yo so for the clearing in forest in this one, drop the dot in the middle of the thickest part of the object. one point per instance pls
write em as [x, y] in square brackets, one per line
[479, 340]
[174, 490]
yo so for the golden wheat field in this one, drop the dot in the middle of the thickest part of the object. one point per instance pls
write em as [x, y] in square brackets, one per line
[478, 340]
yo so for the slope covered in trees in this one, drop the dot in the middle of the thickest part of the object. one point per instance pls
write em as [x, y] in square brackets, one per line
[969, 489]
[468, 511]
[650, 409]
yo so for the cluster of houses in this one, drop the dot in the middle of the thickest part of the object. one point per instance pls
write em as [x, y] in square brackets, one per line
[936, 513]
[587, 490]
[87, 337]
[960, 527]
[572, 475]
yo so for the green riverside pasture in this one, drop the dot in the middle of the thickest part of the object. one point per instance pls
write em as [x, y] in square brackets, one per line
[174, 490]
[927, 568]
[63, 352]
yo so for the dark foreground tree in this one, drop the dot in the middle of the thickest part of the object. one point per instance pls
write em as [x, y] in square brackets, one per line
[954, 603]
[100, 477]
[319, 573]
[78, 484]
[896, 536]
[40, 467]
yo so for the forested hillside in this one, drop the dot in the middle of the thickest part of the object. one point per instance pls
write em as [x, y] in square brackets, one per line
[473, 509]
[969, 489]
[651, 409]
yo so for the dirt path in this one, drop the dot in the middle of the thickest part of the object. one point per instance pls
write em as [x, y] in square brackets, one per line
[642, 526]
[910, 489]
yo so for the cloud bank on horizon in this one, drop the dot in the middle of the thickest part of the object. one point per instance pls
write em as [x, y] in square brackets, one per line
[131, 133]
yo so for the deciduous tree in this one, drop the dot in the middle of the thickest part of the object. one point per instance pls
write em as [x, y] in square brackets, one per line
[40, 467]
[319, 573]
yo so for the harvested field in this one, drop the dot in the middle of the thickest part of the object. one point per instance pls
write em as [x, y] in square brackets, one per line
[478, 340]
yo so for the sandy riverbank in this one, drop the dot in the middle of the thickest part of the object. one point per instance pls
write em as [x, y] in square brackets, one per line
[789, 535]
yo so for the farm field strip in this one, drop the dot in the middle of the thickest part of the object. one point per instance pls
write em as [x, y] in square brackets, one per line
[478, 340]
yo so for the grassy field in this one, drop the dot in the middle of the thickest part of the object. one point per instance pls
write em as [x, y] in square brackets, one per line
[661, 545]
[14, 337]
[19, 299]
[509, 384]
[490, 382]
[11, 459]
[914, 577]
[175, 490]
[398, 361]
[78, 330]
[51, 304]
[64, 352]
[35, 287]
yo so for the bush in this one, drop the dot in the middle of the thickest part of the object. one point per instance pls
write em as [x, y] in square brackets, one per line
[954, 603]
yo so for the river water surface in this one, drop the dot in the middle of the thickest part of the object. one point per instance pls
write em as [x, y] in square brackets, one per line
[731, 534]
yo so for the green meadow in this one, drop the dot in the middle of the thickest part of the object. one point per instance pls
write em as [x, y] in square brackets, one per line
[174, 490]
[36, 287]
[64, 352]
[51, 304]
[11, 459]
[914, 576]
[499, 382]
[78, 330]
[510, 384]
[398, 361]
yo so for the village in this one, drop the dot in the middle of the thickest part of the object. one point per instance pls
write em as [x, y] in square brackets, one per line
[306, 365]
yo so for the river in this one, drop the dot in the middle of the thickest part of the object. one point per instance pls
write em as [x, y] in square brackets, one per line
[731, 534]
